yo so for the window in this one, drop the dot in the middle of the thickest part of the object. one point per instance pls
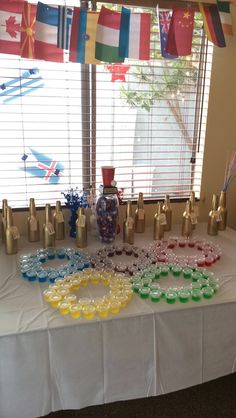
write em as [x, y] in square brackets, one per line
[60, 122]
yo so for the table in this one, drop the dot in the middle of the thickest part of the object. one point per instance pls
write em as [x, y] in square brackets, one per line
[49, 362]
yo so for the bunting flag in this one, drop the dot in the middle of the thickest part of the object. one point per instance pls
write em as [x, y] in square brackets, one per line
[46, 34]
[134, 39]
[118, 72]
[225, 17]
[64, 26]
[180, 35]
[164, 24]
[42, 166]
[83, 36]
[10, 26]
[28, 31]
[28, 82]
[107, 36]
[212, 24]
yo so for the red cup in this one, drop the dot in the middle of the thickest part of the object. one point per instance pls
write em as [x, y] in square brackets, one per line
[108, 173]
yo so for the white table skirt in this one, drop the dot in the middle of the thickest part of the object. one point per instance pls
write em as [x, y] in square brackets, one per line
[49, 362]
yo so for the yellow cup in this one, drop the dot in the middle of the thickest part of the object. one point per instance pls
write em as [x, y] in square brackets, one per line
[76, 283]
[47, 294]
[71, 298]
[88, 311]
[103, 310]
[55, 300]
[64, 308]
[115, 306]
[75, 311]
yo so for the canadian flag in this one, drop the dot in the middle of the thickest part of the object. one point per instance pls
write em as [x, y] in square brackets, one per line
[10, 26]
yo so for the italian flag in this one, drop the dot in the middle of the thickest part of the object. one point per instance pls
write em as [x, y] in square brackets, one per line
[107, 36]
[225, 17]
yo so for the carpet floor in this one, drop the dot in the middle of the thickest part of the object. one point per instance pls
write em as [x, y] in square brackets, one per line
[214, 399]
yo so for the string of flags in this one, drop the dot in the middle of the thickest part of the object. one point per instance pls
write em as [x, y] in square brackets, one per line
[43, 32]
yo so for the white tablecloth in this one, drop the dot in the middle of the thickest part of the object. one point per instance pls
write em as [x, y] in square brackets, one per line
[50, 362]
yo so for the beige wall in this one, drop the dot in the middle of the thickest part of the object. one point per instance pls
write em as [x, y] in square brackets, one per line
[220, 138]
[221, 126]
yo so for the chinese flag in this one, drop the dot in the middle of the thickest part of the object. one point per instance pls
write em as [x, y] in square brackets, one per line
[28, 30]
[179, 40]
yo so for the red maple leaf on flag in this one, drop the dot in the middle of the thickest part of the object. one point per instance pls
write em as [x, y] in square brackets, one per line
[12, 27]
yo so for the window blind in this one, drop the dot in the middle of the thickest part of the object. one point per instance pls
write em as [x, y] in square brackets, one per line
[151, 126]
[60, 122]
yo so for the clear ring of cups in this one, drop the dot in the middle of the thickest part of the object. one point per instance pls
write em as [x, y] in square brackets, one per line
[164, 251]
[200, 284]
[34, 267]
[61, 294]
[138, 257]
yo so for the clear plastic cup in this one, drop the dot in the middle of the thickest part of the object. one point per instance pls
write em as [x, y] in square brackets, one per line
[75, 311]
[88, 311]
[64, 308]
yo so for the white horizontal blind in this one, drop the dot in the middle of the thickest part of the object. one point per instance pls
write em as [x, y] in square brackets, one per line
[40, 128]
[152, 149]
[44, 148]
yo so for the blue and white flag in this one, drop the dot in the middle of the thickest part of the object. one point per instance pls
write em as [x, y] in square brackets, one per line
[164, 24]
[42, 166]
[64, 27]
[29, 81]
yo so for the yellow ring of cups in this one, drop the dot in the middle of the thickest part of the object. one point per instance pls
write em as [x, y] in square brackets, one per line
[60, 294]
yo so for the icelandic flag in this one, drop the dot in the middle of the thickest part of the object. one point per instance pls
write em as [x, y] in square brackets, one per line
[46, 34]
[107, 36]
[64, 27]
[10, 26]
[43, 167]
[164, 24]
[134, 40]
[83, 36]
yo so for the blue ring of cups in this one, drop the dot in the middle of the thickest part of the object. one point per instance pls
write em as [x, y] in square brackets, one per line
[32, 265]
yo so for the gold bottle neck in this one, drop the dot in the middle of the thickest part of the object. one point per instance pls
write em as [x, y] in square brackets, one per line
[187, 208]
[129, 209]
[48, 218]
[9, 218]
[192, 199]
[159, 209]
[80, 211]
[58, 206]
[222, 201]
[214, 204]
[32, 208]
[140, 201]
[4, 208]
[166, 205]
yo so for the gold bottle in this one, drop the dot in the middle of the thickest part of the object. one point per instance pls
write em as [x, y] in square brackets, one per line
[128, 225]
[222, 212]
[48, 229]
[212, 225]
[167, 210]
[59, 222]
[187, 227]
[4, 218]
[159, 223]
[193, 209]
[139, 218]
[81, 229]
[12, 234]
[33, 223]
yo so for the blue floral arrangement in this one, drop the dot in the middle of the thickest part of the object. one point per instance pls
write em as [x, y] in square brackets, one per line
[75, 199]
